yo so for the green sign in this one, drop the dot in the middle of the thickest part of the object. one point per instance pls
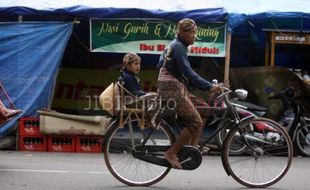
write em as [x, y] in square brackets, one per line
[152, 36]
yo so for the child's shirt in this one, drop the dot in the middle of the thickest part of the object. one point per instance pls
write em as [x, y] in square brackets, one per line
[132, 83]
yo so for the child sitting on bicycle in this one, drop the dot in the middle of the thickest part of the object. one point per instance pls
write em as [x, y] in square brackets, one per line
[131, 82]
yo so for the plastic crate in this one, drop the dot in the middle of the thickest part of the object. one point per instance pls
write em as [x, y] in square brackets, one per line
[32, 143]
[89, 143]
[29, 126]
[61, 143]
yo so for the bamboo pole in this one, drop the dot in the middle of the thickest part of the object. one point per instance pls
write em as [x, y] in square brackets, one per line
[227, 60]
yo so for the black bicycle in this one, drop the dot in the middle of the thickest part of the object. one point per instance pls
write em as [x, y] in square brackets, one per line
[134, 153]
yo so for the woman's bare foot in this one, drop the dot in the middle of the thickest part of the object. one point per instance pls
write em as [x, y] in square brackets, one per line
[11, 113]
[194, 145]
[173, 160]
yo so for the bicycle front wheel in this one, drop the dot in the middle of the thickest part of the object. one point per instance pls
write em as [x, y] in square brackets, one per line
[237, 149]
[118, 147]
[269, 153]
[303, 138]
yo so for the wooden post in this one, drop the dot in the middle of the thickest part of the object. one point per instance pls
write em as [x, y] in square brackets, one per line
[227, 60]
[272, 56]
[267, 48]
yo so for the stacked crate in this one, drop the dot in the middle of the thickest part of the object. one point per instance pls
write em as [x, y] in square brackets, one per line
[30, 138]
[61, 143]
[88, 143]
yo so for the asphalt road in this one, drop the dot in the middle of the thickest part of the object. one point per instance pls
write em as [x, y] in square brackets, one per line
[68, 171]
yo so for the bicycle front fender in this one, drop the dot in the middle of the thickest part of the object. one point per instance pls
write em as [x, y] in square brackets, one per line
[243, 120]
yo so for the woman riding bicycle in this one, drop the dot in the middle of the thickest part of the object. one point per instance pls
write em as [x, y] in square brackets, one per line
[142, 156]
[174, 77]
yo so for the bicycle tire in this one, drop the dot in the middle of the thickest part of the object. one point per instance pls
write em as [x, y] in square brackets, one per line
[220, 137]
[123, 165]
[302, 141]
[269, 154]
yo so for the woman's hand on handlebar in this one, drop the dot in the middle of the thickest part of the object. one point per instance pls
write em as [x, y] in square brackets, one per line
[215, 89]
[214, 92]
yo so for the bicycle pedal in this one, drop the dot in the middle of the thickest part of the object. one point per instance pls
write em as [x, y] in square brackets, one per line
[205, 150]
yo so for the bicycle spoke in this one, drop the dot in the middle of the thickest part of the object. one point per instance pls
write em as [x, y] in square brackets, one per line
[266, 161]
[127, 168]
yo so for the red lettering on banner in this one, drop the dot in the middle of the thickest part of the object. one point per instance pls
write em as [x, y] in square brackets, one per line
[204, 50]
[161, 47]
[145, 47]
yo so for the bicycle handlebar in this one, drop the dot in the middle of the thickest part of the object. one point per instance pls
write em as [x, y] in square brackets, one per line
[225, 91]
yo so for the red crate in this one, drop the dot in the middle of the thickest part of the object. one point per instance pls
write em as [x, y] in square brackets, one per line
[88, 143]
[29, 126]
[32, 143]
[61, 143]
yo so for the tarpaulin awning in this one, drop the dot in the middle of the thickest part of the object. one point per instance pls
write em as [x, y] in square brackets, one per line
[30, 54]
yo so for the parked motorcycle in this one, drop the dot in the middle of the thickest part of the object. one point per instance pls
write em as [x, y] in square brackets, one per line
[246, 110]
[293, 119]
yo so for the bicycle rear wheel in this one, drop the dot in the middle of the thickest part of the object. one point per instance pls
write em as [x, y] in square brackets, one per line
[118, 147]
[269, 153]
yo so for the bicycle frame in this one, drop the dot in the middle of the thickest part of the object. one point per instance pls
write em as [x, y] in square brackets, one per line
[232, 117]
[220, 127]
[229, 112]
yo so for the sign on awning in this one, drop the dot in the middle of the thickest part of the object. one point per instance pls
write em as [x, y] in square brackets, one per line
[152, 36]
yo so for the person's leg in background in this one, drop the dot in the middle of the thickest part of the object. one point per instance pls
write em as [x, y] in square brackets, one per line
[6, 112]
[3, 110]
